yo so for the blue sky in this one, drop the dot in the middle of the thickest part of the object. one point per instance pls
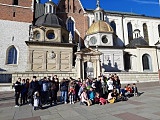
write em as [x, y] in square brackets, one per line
[146, 7]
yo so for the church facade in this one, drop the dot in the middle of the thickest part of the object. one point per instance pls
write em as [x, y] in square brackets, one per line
[71, 41]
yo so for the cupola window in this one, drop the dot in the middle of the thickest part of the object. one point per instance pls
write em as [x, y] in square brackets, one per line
[93, 40]
[104, 39]
[36, 35]
[50, 34]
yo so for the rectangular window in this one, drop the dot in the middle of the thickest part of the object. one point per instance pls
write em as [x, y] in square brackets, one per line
[15, 2]
[14, 14]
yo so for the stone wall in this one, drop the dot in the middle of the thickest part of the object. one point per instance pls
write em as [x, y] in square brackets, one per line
[40, 75]
[126, 77]
[14, 34]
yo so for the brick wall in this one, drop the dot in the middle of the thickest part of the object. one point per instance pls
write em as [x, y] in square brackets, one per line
[16, 13]
[75, 10]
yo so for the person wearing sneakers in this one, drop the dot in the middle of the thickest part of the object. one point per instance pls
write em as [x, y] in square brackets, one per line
[17, 87]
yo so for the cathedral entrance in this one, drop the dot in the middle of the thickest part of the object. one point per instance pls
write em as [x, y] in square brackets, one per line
[88, 70]
[88, 63]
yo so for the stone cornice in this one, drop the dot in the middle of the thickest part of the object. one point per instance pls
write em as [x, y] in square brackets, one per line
[42, 43]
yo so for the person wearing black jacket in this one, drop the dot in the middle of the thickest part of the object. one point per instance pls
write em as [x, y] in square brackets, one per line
[98, 85]
[33, 87]
[17, 86]
[54, 87]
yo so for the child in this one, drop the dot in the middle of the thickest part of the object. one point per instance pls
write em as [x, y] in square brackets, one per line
[72, 92]
[36, 100]
[91, 94]
[111, 98]
[97, 98]
[135, 89]
[84, 98]
[129, 92]
[102, 101]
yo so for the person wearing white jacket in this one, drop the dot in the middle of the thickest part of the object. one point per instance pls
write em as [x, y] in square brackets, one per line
[110, 85]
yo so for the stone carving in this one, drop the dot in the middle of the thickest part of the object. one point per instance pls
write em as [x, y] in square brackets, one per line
[70, 37]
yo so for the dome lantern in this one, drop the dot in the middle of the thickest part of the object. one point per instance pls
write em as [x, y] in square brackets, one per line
[98, 12]
[50, 7]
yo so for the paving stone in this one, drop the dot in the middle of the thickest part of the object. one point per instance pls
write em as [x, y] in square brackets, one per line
[143, 107]
[51, 117]
[68, 114]
[31, 118]
[130, 116]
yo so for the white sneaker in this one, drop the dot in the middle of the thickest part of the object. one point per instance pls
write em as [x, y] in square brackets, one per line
[70, 103]
[16, 106]
[65, 102]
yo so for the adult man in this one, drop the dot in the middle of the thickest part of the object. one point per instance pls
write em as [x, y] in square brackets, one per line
[44, 90]
[17, 86]
[33, 87]
[54, 87]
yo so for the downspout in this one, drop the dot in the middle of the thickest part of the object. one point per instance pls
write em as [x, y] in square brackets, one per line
[157, 62]
[123, 30]
[123, 40]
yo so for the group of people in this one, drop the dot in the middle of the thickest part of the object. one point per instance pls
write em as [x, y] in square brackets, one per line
[90, 91]
[36, 92]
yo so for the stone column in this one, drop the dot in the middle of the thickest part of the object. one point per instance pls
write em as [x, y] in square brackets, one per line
[30, 60]
[45, 61]
[99, 71]
[95, 68]
[79, 66]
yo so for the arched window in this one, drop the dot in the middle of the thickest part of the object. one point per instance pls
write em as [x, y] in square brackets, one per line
[70, 26]
[96, 16]
[159, 30]
[50, 9]
[12, 55]
[145, 32]
[113, 25]
[146, 60]
[130, 31]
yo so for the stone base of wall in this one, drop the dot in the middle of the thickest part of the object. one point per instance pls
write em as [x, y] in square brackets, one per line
[40, 75]
[125, 77]
[6, 87]
[136, 77]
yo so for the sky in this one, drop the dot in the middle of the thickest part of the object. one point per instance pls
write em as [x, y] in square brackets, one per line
[145, 7]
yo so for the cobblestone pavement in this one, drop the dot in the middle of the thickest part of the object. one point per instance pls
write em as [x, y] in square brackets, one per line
[144, 107]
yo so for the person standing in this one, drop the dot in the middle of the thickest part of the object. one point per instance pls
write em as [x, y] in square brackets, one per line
[17, 86]
[54, 87]
[45, 90]
[33, 87]
[57, 88]
[64, 90]
[23, 92]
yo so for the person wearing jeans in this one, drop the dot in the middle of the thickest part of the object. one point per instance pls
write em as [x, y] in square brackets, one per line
[64, 90]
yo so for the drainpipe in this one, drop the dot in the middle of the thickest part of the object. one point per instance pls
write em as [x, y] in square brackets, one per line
[158, 63]
[123, 29]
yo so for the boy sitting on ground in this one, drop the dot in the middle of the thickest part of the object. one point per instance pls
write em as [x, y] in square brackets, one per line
[135, 90]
